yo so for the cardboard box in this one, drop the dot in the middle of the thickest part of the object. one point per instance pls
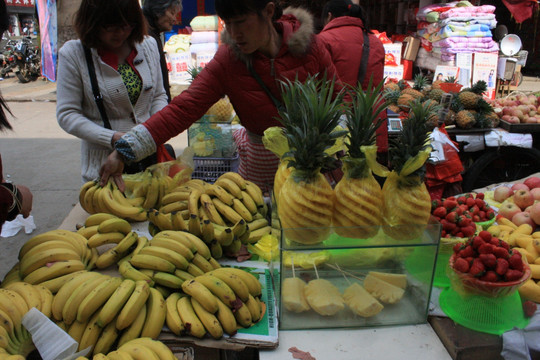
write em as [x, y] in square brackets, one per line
[412, 45]
[485, 68]
[393, 72]
[178, 65]
[392, 54]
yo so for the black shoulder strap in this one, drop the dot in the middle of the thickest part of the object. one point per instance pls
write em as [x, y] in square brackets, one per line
[276, 102]
[95, 89]
[365, 58]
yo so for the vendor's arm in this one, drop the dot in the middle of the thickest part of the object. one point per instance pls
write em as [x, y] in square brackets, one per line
[72, 97]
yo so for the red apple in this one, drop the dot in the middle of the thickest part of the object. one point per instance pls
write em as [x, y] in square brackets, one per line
[532, 182]
[502, 193]
[523, 218]
[523, 198]
[535, 213]
[536, 193]
[508, 209]
[519, 186]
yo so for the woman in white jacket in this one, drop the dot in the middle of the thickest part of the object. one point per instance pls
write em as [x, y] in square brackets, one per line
[127, 69]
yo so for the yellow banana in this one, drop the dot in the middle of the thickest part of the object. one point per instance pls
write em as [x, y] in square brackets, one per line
[76, 330]
[179, 236]
[243, 315]
[172, 245]
[175, 197]
[97, 298]
[215, 264]
[249, 203]
[234, 248]
[74, 281]
[201, 263]
[142, 241]
[98, 218]
[71, 306]
[91, 333]
[82, 193]
[226, 318]
[88, 231]
[248, 278]
[139, 352]
[115, 225]
[200, 292]
[254, 307]
[106, 340]
[256, 235]
[123, 211]
[219, 288]
[55, 284]
[178, 222]
[145, 261]
[226, 211]
[184, 275]
[51, 245]
[255, 192]
[108, 258]
[10, 309]
[28, 292]
[116, 301]
[100, 239]
[169, 280]
[209, 320]
[200, 247]
[194, 224]
[173, 320]
[241, 209]
[97, 202]
[155, 315]
[207, 231]
[129, 272]
[216, 250]
[235, 177]
[224, 236]
[119, 355]
[86, 202]
[235, 283]
[133, 306]
[133, 331]
[193, 201]
[210, 209]
[175, 258]
[127, 242]
[257, 224]
[52, 235]
[173, 206]
[162, 351]
[194, 270]
[191, 321]
[152, 194]
[220, 193]
[161, 220]
[57, 269]
[230, 186]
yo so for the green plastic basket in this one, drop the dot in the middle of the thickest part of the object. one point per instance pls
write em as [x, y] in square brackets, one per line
[492, 315]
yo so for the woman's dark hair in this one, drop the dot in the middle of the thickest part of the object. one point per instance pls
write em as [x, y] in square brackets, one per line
[93, 15]
[227, 9]
[153, 9]
[340, 8]
[4, 25]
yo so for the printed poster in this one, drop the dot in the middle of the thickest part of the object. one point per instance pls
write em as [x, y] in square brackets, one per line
[444, 72]
[49, 37]
[464, 61]
[485, 68]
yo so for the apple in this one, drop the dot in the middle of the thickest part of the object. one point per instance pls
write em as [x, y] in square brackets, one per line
[523, 218]
[502, 193]
[523, 198]
[532, 182]
[508, 209]
[535, 213]
[513, 120]
[519, 186]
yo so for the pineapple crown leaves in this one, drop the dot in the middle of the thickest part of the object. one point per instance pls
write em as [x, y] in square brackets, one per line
[363, 117]
[483, 107]
[420, 82]
[193, 71]
[408, 151]
[312, 111]
[479, 87]
[450, 79]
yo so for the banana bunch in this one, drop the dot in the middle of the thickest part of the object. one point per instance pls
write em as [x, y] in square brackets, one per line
[109, 199]
[226, 214]
[216, 302]
[110, 237]
[15, 300]
[140, 348]
[50, 256]
[166, 261]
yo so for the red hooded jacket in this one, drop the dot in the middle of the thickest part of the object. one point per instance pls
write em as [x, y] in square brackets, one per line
[344, 39]
[301, 54]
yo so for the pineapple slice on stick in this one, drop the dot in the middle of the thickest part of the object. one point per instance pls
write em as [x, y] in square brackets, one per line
[407, 203]
[359, 199]
[293, 294]
[306, 199]
[323, 296]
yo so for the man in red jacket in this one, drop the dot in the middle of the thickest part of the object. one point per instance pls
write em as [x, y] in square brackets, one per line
[277, 46]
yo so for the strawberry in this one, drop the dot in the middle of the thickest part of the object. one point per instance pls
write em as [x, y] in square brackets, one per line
[435, 204]
[485, 249]
[468, 231]
[482, 215]
[504, 244]
[529, 308]
[485, 235]
[477, 242]
[452, 217]
[450, 204]
[443, 233]
[501, 253]
[489, 260]
[447, 225]
[512, 275]
[470, 202]
[490, 214]
[490, 276]
[502, 267]
[460, 234]
[480, 203]
[516, 262]
[464, 221]
[476, 218]
[468, 251]
[477, 268]
[440, 212]
[461, 265]
[480, 196]
[458, 247]
[474, 210]
[461, 200]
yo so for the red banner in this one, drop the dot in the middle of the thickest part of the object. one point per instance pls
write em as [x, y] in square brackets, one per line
[24, 3]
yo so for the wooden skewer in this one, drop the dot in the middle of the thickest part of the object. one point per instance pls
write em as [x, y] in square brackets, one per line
[344, 272]
[292, 263]
[316, 272]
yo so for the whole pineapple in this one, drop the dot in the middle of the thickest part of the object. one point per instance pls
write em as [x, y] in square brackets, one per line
[392, 97]
[407, 203]
[420, 81]
[465, 119]
[470, 97]
[306, 199]
[359, 201]
[222, 110]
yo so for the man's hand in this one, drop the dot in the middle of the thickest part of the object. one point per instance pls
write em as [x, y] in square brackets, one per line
[27, 197]
[113, 167]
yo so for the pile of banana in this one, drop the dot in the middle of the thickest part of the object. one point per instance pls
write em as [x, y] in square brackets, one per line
[143, 191]
[16, 299]
[141, 348]
[226, 214]
[50, 257]
[217, 302]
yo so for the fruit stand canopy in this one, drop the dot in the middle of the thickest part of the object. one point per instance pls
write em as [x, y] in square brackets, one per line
[521, 10]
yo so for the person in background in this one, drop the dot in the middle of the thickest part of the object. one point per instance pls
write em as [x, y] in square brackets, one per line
[344, 35]
[277, 46]
[161, 16]
[126, 63]
[14, 199]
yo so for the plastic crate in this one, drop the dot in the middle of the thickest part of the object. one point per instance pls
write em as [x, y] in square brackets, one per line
[210, 168]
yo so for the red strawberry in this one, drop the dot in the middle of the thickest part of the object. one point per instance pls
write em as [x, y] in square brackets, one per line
[490, 214]
[452, 217]
[450, 204]
[460, 234]
[485, 235]
[477, 268]
[464, 221]
[480, 203]
[501, 252]
[474, 210]
[482, 215]
[489, 260]
[440, 212]
[468, 251]
[477, 242]
[470, 202]
[529, 308]
[468, 231]
[502, 267]
[485, 249]
[504, 244]
[476, 218]
[461, 265]
[490, 276]
[512, 275]
[443, 233]
[461, 200]
[458, 247]
[480, 196]
[516, 262]
[435, 204]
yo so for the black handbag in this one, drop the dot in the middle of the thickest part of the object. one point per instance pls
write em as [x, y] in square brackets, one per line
[132, 167]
